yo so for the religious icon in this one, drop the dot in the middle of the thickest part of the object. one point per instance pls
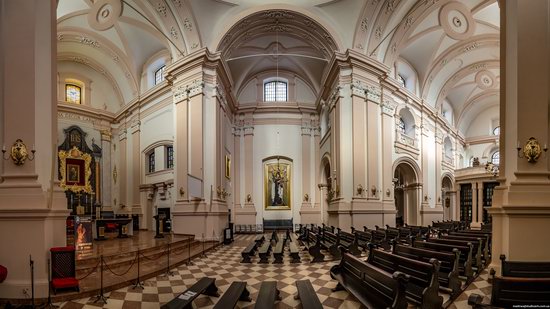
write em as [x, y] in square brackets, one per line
[73, 173]
[277, 185]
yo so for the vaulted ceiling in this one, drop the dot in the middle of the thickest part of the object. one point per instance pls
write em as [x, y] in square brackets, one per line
[453, 46]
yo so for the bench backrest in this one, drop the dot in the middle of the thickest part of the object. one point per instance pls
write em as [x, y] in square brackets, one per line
[376, 284]
[421, 273]
[330, 237]
[447, 261]
[525, 269]
[346, 236]
[510, 292]
[464, 251]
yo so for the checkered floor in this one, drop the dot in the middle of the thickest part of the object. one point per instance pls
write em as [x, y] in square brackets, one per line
[224, 265]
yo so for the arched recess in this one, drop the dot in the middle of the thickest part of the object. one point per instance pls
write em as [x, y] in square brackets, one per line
[325, 185]
[407, 191]
[448, 196]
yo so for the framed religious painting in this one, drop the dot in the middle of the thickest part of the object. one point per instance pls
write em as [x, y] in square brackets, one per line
[75, 170]
[277, 184]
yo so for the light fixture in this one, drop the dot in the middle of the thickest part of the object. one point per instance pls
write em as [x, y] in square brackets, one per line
[531, 150]
[18, 153]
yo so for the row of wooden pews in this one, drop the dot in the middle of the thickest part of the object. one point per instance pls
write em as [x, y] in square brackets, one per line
[522, 284]
[268, 295]
[425, 261]
[275, 246]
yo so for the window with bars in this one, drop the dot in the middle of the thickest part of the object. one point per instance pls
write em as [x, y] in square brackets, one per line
[73, 93]
[275, 91]
[495, 158]
[159, 75]
[169, 156]
[401, 126]
[151, 160]
[496, 131]
[400, 80]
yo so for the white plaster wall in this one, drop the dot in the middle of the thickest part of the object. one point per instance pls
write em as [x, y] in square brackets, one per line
[266, 145]
[157, 127]
[248, 94]
[483, 124]
[102, 92]
[303, 92]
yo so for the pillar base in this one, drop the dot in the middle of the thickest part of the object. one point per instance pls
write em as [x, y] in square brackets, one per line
[199, 219]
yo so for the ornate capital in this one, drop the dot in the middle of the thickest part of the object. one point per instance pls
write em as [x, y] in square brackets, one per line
[388, 107]
[370, 93]
[186, 92]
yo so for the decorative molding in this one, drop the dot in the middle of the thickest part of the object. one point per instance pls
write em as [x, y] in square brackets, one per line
[187, 24]
[186, 92]
[370, 93]
[161, 8]
[388, 107]
[174, 33]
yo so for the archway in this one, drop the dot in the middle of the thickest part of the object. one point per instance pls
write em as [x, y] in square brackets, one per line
[406, 193]
[448, 197]
[325, 185]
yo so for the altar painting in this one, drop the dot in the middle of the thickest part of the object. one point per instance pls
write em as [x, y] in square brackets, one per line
[277, 185]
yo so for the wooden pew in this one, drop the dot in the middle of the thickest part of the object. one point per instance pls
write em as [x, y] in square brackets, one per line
[380, 239]
[328, 228]
[330, 242]
[248, 252]
[265, 252]
[259, 239]
[349, 241]
[372, 286]
[294, 252]
[524, 269]
[313, 246]
[307, 295]
[236, 291]
[419, 231]
[510, 292]
[274, 238]
[268, 295]
[476, 249]
[423, 286]
[363, 238]
[448, 270]
[465, 259]
[484, 245]
[205, 286]
[278, 252]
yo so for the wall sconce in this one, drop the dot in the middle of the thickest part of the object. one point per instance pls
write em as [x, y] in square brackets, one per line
[306, 197]
[531, 150]
[18, 153]
[427, 198]
[182, 192]
[373, 190]
[360, 190]
[388, 192]
[249, 198]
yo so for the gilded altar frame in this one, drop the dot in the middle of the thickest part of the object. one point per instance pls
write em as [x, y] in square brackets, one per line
[285, 165]
[80, 163]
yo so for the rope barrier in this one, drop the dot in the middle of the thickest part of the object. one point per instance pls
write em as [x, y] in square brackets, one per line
[123, 273]
[91, 271]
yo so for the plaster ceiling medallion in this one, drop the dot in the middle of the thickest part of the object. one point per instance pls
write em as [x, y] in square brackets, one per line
[485, 79]
[104, 14]
[457, 20]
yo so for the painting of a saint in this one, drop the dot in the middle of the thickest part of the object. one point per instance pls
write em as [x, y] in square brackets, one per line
[277, 185]
[73, 173]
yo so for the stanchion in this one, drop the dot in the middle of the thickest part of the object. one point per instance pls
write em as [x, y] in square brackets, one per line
[189, 262]
[168, 272]
[31, 262]
[49, 304]
[138, 281]
[203, 254]
[101, 297]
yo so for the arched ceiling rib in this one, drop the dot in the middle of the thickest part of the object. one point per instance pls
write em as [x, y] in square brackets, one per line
[269, 39]
[445, 41]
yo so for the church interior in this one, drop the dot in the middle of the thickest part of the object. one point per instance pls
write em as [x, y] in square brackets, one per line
[288, 154]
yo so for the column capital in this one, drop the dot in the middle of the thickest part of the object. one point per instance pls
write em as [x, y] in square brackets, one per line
[187, 90]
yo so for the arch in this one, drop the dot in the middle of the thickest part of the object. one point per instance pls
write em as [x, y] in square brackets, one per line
[410, 161]
[232, 22]
[406, 191]
[490, 150]
[448, 198]
[165, 142]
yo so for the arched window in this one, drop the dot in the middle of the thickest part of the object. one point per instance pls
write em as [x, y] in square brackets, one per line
[496, 131]
[495, 158]
[275, 91]
[400, 80]
[73, 93]
[170, 156]
[159, 75]
[151, 160]
[401, 126]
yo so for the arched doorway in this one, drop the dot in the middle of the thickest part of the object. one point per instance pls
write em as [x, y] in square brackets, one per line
[447, 196]
[325, 185]
[406, 193]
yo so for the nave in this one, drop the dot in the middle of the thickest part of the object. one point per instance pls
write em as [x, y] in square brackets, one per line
[223, 263]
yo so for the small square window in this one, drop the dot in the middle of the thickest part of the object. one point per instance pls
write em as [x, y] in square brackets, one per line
[275, 91]
[72, 93]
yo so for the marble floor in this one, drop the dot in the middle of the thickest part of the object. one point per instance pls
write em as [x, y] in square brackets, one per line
[224, 265]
